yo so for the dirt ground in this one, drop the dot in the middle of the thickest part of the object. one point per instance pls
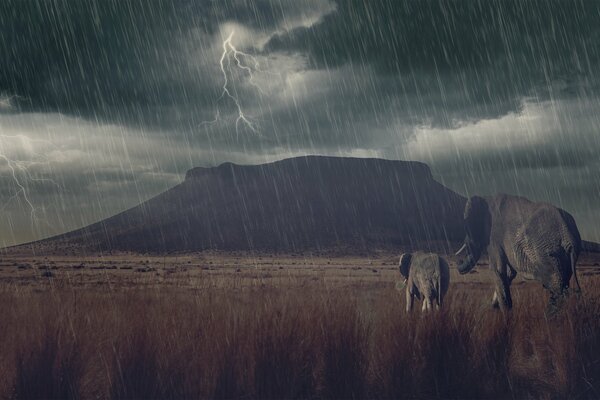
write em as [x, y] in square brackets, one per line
[227, 271]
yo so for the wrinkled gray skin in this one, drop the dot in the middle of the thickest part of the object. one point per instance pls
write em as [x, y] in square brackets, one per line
[427, 278]
[537, 240]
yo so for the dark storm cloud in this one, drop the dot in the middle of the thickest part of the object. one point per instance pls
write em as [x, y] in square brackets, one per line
[119, 60]
[83, 55]
[481, 90]
[436, 60]
[400, 36]
[467, 52]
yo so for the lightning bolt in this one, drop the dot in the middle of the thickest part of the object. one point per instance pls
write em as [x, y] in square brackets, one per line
[20, 173]
[7, 102]
[12, 165]
[250, 66]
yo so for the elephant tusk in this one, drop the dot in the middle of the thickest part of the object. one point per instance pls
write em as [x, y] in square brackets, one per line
[464, 246]
[406, 280]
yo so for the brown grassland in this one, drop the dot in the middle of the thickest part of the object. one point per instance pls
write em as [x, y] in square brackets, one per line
[273, 327]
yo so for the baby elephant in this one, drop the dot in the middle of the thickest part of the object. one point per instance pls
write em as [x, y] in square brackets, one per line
[427, 276]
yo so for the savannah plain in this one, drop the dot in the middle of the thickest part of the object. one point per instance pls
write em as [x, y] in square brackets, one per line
[214, 325]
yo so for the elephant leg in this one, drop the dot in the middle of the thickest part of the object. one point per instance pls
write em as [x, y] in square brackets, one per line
[511, 273]
[504, 291]
[495, 300]
[502, 298]
[502, 279]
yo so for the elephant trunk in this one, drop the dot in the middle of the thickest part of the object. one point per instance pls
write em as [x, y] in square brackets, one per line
[467, 265]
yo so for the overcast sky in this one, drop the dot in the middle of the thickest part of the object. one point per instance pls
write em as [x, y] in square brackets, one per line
[104, 104]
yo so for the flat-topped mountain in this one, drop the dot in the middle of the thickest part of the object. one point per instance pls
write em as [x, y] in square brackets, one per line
[301, 203]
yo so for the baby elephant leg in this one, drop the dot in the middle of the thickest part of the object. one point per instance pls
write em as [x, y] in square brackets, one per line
[427, 305]
[409, 301]
[438, 301]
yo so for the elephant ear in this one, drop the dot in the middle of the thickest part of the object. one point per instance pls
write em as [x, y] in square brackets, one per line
[405, 264]
[478, 221]
[475, 207]
[476, 212]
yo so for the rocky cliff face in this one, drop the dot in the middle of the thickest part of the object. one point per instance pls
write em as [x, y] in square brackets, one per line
[295, 204]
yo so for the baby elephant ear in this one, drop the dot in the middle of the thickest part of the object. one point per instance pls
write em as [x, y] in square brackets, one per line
[405, 264]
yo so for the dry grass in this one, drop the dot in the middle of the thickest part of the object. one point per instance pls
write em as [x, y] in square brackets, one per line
[311, 342]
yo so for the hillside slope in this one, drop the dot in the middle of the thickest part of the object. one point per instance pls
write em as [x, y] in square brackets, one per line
[308, 202]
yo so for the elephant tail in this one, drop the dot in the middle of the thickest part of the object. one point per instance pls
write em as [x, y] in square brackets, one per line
[573, 255]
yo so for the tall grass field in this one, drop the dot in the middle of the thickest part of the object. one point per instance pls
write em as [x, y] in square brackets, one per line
[311, 341]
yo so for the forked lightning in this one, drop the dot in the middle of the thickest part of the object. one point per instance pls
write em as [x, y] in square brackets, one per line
[240, 59]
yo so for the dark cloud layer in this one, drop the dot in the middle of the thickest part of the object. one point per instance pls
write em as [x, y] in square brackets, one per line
[117, 95]
[119, 60]
[479, 56]
[125, 61]
[95, 58]
[402, 36]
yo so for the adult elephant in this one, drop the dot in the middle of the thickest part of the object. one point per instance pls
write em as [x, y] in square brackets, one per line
[537, 240]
